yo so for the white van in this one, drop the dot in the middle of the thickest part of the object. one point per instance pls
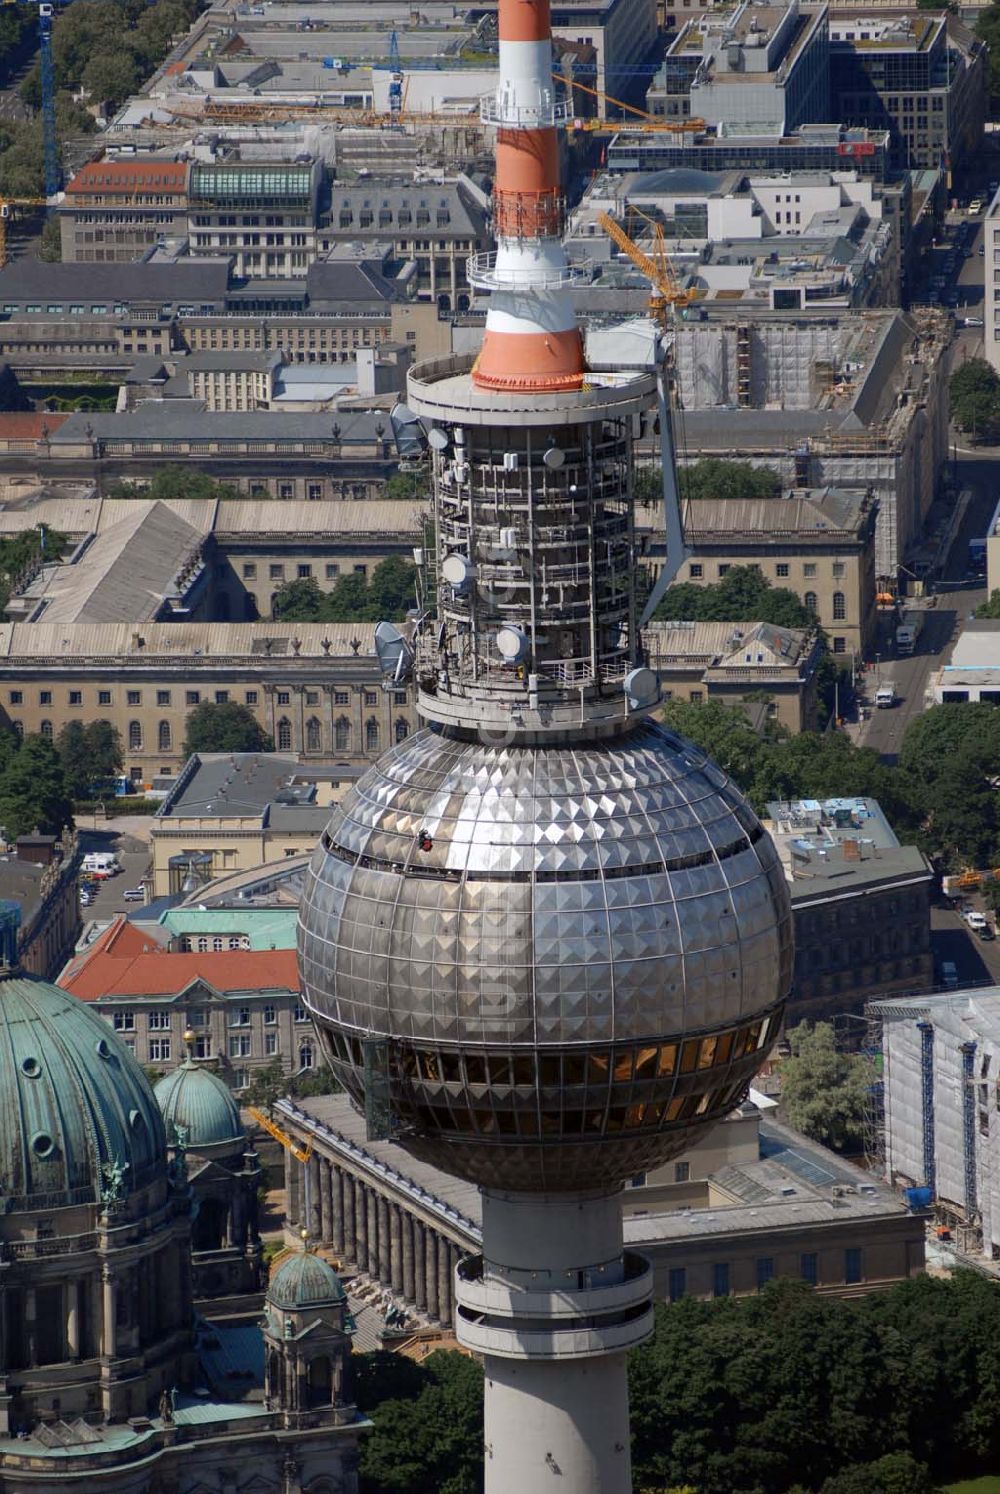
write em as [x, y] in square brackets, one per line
[100, 864]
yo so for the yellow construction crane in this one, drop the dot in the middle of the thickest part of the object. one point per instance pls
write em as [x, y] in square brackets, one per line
[301, 1154]
[666, 288]
[642, 123]
[7, 204]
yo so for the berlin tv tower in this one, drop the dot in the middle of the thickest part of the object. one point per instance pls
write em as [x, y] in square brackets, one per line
[545, 941]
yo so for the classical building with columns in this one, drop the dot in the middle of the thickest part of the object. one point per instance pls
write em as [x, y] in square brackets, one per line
[397, 1228]
[750, 1201]
[107, 1377]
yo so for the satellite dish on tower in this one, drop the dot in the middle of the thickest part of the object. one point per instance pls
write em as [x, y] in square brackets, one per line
[458, 571]
[512, 644]
[438, 438]
[554, 458]
[395, 656]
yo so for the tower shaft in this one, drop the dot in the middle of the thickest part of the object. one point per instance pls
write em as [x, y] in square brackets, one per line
[532, 342]
[554, 1304]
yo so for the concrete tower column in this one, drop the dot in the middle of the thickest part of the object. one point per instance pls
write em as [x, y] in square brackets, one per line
[314, 1220]
[554, 1304]
[396, 1247]
[384, 1241]
[419, 1266]
[72, 1290]
[109, 1341]
[371, 1206]
[325, 1202]
[430, 1272]
[445, 1311]
[350, 1240]
[408, 1224]
[337, 1206]
[361, 1225]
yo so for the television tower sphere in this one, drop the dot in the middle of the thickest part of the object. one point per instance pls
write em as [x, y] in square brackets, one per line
[576, 955]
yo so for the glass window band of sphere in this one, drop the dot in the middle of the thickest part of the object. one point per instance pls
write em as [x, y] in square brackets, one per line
[585, 1092]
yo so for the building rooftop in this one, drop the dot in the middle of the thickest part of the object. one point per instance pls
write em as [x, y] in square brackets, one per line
[262, 928]
[235, 784]
[836, 845]
[188, 281]
[718, 644]
[195, 643]
[177, 420]
[111, 178]
[122, 963]
[126, 573]
[976, 648]
[820, 512]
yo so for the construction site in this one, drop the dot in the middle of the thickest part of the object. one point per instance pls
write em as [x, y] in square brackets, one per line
[941, 1126]
[856, 401]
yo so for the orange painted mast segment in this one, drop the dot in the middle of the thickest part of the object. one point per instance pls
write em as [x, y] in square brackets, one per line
[532, 341]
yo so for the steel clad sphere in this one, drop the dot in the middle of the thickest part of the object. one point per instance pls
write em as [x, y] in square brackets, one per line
[556, 963]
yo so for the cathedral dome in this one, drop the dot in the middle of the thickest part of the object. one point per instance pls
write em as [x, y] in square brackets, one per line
[304, 1280]
[77, 1114]
[198, 1108]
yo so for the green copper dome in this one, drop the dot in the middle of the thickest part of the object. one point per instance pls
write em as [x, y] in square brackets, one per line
[197, 1108]
[305, 1280]
[77, 1116]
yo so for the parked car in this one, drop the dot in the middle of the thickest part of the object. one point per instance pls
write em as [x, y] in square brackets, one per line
[987, 931]
[134, 895]
[975, 919]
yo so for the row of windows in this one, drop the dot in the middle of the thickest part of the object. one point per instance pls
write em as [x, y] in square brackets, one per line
[134, 697]
[782, 569]
[161, 1019]
[303, 571]
[160, 1050]
[764, 1267]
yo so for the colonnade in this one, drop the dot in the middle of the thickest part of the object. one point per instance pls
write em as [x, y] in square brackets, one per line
[375, 1232]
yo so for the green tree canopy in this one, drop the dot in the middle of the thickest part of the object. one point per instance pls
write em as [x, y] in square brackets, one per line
[88, 754]
[744, 594]
[988, 29]
[388, 593]
[33, 792]
[974, 389]
[824, 1092]
[177, 482]
[225, 726]
[711, 477]
[991, 607]
[428, 1434]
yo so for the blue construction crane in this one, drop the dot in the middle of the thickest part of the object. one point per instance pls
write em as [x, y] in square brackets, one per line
[50, 143]
[395, 78]
[53, 172]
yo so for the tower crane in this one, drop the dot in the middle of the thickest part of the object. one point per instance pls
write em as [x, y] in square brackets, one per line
[666, 292]
[301, 1154]
[50, 143]
[640, 120]
[395, 79]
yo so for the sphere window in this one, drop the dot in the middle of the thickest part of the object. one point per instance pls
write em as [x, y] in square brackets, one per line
[475, 1069]
[667, 1062]
[42, 1144]
[31, 1067]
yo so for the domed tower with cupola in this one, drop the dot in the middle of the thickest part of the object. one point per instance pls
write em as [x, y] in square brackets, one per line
[307, 1342]
[95, 1282]
[207, 1137]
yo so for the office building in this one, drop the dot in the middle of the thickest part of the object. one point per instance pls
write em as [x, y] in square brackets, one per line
[699, 661]
[973, 670]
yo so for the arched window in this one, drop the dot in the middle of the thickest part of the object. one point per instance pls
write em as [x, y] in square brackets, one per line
[46, 730]
[314, 735]
[165, 736]
[342, 734]
[135, 736]
[306, 1056]
[371, 735]
[284, 735]
[809, 601]
[839, 606]
[402, 730]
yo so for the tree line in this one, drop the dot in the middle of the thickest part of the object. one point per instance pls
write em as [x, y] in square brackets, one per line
[388, 593]
[941, 793]
[786, 1392]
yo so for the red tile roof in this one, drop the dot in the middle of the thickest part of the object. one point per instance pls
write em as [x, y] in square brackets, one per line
[131, 176]
[26, 425]
[123, 962]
